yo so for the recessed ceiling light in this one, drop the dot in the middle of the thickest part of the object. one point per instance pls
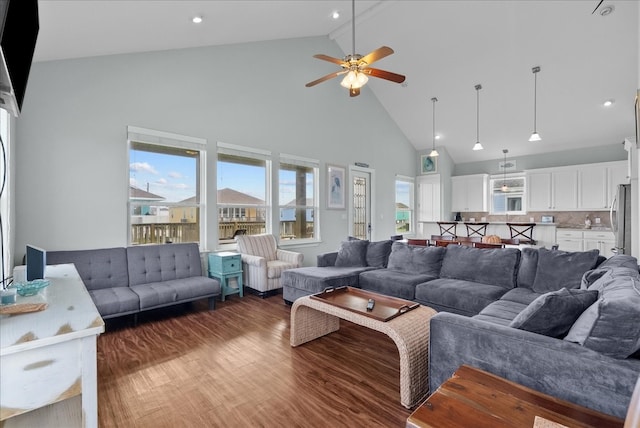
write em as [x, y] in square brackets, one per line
[196, 19]
[608, 103]
[335, 14]
[438, 136]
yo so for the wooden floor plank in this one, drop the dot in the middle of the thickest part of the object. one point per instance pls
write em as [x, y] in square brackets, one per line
[190, 367]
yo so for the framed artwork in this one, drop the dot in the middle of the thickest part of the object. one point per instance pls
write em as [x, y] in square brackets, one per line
[428, 164]
[505, 166]
[336, 176]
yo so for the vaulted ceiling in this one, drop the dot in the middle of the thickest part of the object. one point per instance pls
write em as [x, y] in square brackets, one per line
[444, 48]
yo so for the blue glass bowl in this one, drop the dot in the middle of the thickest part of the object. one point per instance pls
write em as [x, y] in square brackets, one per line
[30, 288]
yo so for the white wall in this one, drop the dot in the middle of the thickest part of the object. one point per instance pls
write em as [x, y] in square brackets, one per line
[71, 154]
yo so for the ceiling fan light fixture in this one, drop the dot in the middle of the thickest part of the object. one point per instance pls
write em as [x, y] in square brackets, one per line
[535, 137]
[357, 67]
[478, 146]
[354, 80]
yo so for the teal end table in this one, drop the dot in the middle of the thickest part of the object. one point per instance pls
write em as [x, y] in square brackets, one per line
[226, 265]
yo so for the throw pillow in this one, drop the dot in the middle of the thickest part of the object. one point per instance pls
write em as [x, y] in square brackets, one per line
[610, 325]
[378, 253]
[528, 267]
[621, 260]
[352, 254]
[494, 267]
[596, 279]
[557, 269]
[553, 314]
[416, 260]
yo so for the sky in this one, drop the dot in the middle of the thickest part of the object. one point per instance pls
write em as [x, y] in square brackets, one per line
[174, 177]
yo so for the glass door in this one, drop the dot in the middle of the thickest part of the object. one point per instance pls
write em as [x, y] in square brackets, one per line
[360, 205]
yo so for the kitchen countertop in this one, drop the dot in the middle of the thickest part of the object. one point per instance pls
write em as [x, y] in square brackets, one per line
[583, 229]
[493, 222]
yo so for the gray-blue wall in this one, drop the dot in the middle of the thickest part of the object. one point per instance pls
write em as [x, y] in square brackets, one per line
[71, 144]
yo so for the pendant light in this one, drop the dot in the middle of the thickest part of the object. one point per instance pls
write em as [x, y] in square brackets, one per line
[434, 152]
[477, 145]
[535, 136]
[504, 188]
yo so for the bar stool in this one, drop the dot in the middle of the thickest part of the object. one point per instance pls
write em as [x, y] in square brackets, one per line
[523, 232]
[448, 228]
[476, 229]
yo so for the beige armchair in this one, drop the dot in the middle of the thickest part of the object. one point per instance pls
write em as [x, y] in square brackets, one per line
[263, 262]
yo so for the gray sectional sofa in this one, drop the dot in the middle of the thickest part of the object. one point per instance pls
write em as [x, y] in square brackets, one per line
[563, 323]
[123, 281]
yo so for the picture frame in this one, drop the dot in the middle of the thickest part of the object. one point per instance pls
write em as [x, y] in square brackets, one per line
[507, 166]
[336, 190]
[428, 164]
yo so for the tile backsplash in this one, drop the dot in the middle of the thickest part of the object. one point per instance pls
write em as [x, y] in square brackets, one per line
[560, 218]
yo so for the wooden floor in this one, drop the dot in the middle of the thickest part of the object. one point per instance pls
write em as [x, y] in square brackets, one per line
[190, 367]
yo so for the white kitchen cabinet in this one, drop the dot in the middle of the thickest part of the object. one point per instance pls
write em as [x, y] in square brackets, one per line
[597, 184]
[552, 190]
[592, 189]
[429, 198]
[599, 240]
[585, 240]
[616, 174]
[569, 240]
[539, 191]
[469, 193]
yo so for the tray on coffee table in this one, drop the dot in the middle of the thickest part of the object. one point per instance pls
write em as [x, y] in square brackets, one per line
[355, 300]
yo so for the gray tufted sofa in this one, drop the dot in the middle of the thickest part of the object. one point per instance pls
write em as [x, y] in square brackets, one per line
[124, 281]
[483, 295]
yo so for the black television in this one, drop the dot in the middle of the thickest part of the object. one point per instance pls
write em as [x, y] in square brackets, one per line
[36, 262]
[18, 34]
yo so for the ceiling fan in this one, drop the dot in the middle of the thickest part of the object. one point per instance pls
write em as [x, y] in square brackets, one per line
[357, 67]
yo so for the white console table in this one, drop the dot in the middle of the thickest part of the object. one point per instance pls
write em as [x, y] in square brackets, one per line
[48, 359]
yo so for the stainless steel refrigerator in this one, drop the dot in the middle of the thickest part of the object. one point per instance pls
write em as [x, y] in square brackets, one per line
[621, 219]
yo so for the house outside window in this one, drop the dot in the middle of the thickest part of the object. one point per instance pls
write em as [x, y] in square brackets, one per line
[165, 188]
[404, 205]
[298, 198]
[243, 192]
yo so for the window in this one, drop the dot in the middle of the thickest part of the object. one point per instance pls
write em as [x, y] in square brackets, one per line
[298, 198]
[508, 194]
[404, 205]
[243, 192]
[165, 196]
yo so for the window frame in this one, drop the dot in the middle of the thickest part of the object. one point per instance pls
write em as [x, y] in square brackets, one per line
[150, 137]
[313, 164]
[498, 179]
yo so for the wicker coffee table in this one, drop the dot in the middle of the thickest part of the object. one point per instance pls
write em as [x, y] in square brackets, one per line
[311, 319]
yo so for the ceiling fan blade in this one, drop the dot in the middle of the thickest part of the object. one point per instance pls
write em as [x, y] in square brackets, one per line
[330, 59]
[324, 78]
[382, 74]
[594, 10]
[354, 92]
[376, 55]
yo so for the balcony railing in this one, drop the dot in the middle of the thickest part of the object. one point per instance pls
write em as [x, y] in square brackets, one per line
[163, 233]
